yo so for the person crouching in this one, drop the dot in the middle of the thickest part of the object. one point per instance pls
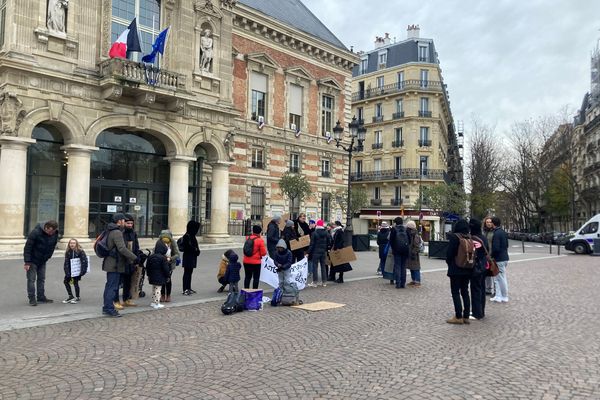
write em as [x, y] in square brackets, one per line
[158, 270]
[232, 274]
[283, 261]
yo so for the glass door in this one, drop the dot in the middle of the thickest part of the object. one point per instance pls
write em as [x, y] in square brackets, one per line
[137, 205]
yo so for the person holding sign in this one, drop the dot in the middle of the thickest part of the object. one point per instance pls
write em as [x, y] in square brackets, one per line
[76, 266]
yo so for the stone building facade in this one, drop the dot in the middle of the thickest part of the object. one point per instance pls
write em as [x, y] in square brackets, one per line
[411, 143]
[84, 136]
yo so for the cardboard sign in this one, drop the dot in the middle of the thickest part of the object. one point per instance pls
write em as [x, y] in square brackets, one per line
[284, 218]
[342, 256]
[266, 220]
[302, 242]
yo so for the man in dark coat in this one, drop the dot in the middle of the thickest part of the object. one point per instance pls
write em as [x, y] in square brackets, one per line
[39, 248]
[459, 277]
[114, 264]
[317, 253]
[477, 281]
[191, 251]
[273, 236]
[400, 251]
[338, 243]
[383, 238]
[132, 243]
[500, 254]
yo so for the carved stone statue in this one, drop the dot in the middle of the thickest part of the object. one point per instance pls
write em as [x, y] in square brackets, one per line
[57, 16]
[206, 46]
[229, 144]
[11, 114]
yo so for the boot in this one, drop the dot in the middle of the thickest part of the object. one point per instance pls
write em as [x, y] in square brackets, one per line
[167, 299]
[220, 290]
[117, 305]
[341, 278]
[456, 321]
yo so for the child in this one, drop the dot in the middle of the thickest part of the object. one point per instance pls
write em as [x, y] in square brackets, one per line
[222, 269]
[74, 251]
[232, 274]
[158, 271]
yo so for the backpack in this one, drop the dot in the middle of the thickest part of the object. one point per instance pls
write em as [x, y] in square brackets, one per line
[180, 243]
[290, 295]
[276, 300]
[465, 256]
[248, 247]
[235, 303]
[401, 240]
[101, 245]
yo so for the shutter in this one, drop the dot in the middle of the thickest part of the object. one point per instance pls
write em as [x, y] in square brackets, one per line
[295, 99]
[258, 82]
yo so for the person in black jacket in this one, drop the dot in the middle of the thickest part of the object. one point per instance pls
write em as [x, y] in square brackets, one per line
[302, 228]
[39, 248]
[158, 271]
[273, 236]
[289, 234]
[338, 243]
[283, 260]
[74, 252]
[191, 251]
[320, 241]
[232, 274]
[383, 238]
[459, 277]
[400, 247]
[128, 278]
[479, 271]
[500, 254]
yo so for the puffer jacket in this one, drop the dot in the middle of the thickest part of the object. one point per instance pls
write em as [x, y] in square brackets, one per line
[258, 251]
[173, 246]
[283, 260]
[157, 267]
[232, 274]
[222, 267]
[72, 254]
[39, 246]
[320, 241]
[115, 241]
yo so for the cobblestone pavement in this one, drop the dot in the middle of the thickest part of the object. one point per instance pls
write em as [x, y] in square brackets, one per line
[385, 343]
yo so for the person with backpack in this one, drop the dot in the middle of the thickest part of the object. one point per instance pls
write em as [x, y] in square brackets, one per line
[317, 253]
[460, 274]
[39, 248]
[114, 262]
[337, 243]
[477, 281]
[383, 238]
[400, 246]
[500, 254]
[74, 252]
[273, 235]
[254, 250]
[158, 271]
[283, 261]
[174, 260]
[188, 244]
[413, 262]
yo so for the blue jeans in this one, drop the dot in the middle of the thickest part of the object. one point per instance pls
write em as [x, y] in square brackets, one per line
[415, 275]
[500, 281]
[111, 289]
[400, 270]
[381, 264]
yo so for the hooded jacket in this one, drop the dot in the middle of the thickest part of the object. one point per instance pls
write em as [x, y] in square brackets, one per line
[115, 241]
[39, 246]
[173, 245]
[273, 235]
[191, 250]
[72, 254]
[157, 267]
[461, 227]
[232, 274]
[383, 238]
[283, 260]
[320, 241]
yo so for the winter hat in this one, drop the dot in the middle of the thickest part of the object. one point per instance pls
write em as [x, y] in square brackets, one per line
[117, 217]
[277, 218]
[281, 244]
[289, 222]
[312, 221]
[320, 222]
[256, 229]
[129, 217]
[411, 224]
[384, 224]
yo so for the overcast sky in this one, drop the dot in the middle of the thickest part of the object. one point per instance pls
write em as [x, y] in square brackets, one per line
[503, 61]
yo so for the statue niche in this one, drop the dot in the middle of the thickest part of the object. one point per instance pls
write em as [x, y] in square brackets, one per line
[57, 16]
[206, 51]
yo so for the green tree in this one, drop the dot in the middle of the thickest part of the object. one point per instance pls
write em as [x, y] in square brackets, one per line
[295, 187]
[443, 198]
[359, 199]
[558, 194]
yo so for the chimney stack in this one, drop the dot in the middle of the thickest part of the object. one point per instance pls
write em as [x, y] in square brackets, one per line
[413, 32]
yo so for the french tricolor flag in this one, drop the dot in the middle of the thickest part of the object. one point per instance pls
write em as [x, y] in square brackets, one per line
[127, 42]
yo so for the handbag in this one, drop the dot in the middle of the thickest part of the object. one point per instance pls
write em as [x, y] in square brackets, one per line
[491, 266]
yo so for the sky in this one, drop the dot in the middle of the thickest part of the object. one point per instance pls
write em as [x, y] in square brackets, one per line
[503, 60]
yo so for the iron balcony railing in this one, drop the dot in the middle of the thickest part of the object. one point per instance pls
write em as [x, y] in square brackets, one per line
[405, 173]
[398, 87]
[424, 143]
[134, 73]
[398, 115]
[396, 202]
[375, 202]
[376, 146]
[378, 118]
[425, 114]
[398, 143]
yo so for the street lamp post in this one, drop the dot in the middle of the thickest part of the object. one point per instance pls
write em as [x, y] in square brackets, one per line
[358, 132]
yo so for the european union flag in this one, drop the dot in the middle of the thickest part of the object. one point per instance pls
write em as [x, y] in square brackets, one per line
[157, 47]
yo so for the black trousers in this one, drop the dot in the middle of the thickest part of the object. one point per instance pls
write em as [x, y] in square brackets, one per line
[478, 295]
[67, 283]
[459, 286]
[187, 278]
[252, 271]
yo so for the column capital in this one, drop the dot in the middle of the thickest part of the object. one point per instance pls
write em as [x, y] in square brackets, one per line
[15, 142]
[221, 164]
[79, 148]
[180, 158]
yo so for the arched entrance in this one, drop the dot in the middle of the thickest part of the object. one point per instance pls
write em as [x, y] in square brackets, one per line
[46, 177]
[129, 174]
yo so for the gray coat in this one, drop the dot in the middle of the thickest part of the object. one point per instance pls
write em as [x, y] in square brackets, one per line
[115, 241]
[413, 262]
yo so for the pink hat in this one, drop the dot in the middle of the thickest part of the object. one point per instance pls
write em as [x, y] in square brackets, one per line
[320, 222]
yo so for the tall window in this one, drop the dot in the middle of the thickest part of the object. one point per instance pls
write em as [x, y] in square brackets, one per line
[295, 102]
[378, 137]
[360, 114]
[400, 79]
[378, 110]
[294, 162]
[397, 164]
[208, 201]
[423, 165]
[424, 133]
[364, 64]
[424, 104]
[2, 21]
[424, 77]
[399, 106]
[424, 53]
[377, 166]
[358, 168]
[397, 193]
[325, 168]
[377, 193]
[258, 107]
[257, 203]
[326, 115]
[380, 82]
[398, 137]
[147, 13]
[382, 60]
[325, 206]
[257, 159]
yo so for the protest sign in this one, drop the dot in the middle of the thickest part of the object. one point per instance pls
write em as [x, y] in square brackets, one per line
[75, 267]
[342, 256]
[300, 243]
[268, 272]
[299, 273]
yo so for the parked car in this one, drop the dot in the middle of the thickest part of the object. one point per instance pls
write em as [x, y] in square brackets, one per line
[582, 241]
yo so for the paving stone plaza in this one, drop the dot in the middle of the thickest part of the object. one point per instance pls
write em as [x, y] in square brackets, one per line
[384, 343]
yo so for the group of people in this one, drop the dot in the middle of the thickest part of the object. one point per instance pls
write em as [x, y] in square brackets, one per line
[490, 243]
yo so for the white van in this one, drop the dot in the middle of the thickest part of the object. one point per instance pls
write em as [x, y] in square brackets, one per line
[583, 241]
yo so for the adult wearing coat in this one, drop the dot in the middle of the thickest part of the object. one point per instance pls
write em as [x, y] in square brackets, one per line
[338, 243]
[383, 238]
[459, 277]
[39, 248]
[413, 262]
[273, 236]
[252, 263]
[302, 228]
[191, 251]
[479, 275]
[317, 253]
[173, 253]
[288, 235]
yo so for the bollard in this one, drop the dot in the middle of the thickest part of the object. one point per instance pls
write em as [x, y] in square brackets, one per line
[523, 244]
[558, 251]
[550, 247]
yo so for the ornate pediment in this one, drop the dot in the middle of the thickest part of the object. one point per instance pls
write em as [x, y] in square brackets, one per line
[300, 72]
[330, 83]
[262, 59]
[207, 7]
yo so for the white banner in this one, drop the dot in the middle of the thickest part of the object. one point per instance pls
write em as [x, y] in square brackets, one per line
[268, 272]
[299, 273]
[75, 267]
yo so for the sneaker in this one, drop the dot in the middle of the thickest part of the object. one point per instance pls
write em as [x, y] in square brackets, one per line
[129, 303]
[504, 300]
[32, 302]
[75, 300]
[117, 305]
[192, 291]
[324, 284]
[67, 301]
[157, 306]
[496, 299]
[312, 285]
[45, 300]
[455, 321]
[113, 314]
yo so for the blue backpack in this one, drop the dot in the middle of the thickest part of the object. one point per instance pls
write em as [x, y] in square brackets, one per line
[277, 294]
[101, 245]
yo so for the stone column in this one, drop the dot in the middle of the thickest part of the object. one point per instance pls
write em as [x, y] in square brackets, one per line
[219, 212]
[77, 196]
[178, 194]
[13, 183]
